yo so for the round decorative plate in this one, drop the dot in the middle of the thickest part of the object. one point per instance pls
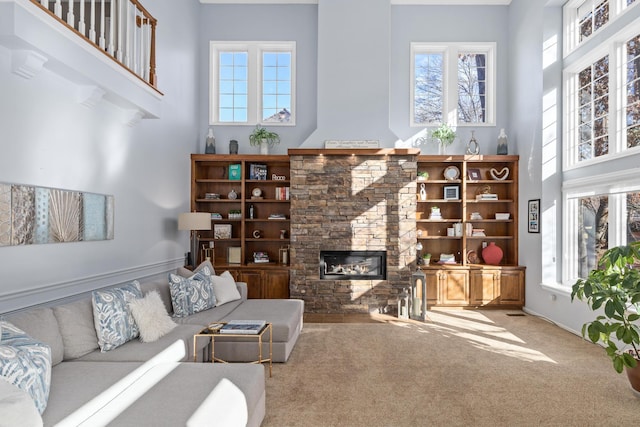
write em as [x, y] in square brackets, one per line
[451, 173]
[256, 192]
[472, 257]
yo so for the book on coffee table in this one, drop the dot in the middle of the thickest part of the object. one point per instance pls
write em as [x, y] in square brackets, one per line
[243, 327]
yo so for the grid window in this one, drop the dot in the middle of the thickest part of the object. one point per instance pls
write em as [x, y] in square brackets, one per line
[632, 110]
[592, 15]
[252, 83]
[593, 110]
[453, 82]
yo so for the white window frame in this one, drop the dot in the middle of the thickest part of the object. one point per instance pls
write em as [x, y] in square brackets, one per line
[254, 50]
[614, 47]
[571, 20]
[450, 53]
[615, 185]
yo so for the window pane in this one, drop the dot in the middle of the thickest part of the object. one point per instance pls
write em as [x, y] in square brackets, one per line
[472, 87]
[593, 111]
[593, 232]
[633, 217]
[633, 92]
[232, 83]
[592, 15]
[276, 82]
[428, 87]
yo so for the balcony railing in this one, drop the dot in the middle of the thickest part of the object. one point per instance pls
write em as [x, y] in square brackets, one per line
[122, 29]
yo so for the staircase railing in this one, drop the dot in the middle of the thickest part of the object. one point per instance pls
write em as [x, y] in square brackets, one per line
[122, 29]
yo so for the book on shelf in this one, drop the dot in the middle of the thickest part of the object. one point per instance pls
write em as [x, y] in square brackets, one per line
[282, 193]
[487, 196]
[260, 257]
[258, 172]
[277, 216]
[249, 327]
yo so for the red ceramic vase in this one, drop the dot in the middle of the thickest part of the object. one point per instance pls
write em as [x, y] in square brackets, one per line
[492, 254]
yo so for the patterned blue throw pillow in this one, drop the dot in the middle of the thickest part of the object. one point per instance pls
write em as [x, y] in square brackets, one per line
[190, 295]
[112, 318]
[25, 363]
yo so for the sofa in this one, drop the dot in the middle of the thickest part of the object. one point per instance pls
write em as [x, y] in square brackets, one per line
[138, 383]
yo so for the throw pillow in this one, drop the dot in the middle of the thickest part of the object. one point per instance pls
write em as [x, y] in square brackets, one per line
[205, 267]
[77, 328]
[111, 317]
[17, 407]
[224, 286]
[25, 363]
[190, 295]
[151, 317]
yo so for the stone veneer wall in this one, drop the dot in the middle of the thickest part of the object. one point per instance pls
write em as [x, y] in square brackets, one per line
[352, 202]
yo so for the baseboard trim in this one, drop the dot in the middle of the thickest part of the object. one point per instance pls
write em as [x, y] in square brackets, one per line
[16, 300]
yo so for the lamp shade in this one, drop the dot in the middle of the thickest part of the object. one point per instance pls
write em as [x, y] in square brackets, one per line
[194, 221]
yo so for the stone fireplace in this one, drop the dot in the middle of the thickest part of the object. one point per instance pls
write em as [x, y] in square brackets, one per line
[353, 265]
[352, 200]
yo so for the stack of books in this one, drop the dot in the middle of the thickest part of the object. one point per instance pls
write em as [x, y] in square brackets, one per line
[487, 196]
[260, 257]
[478, 232]
[277, 216]
[249, 327]
[282, 193]
[435, 213]
[447, 259]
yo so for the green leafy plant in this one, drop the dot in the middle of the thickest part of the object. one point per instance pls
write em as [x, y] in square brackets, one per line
[261, 134]
[444, 133]
[615, 286]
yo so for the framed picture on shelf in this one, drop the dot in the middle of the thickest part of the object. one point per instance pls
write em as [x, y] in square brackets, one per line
[474, 174]
[221, 231]
[451, 192]
[234, 255]
[533, 215]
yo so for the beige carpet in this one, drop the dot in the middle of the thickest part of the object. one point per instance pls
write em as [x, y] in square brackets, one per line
[462, 368]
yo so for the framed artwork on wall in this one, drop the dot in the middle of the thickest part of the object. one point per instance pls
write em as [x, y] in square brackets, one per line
[533, 216]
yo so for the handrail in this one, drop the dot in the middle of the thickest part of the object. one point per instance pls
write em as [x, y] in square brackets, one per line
[122, 29]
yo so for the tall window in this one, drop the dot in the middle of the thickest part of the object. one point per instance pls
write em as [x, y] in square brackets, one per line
[601, 207]
[453, 82]
[252, 83]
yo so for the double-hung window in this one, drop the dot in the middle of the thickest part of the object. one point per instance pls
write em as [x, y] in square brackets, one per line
[453, 83]
[601, 199]
[252, 83]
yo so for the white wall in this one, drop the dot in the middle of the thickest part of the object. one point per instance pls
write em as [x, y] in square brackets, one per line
[48, 139]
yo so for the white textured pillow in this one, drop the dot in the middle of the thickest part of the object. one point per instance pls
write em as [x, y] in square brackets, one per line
[17, 407]
[151, 317]
[225, 289]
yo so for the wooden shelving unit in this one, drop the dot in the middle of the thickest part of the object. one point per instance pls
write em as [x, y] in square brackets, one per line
[210, 175]
[470, 282]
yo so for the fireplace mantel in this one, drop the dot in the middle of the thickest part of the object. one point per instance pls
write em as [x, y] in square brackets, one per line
[354, 151]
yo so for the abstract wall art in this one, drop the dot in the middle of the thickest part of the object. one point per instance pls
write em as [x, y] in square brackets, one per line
[35, 215]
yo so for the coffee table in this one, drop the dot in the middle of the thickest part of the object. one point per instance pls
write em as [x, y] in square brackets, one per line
[215, 334]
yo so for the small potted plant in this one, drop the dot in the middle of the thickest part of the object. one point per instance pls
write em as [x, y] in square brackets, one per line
[263, 138]
[426, 259]
[445, 135]
[423, 176]
[615, 287]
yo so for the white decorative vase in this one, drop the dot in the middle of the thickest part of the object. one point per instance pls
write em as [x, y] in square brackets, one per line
[264, 148]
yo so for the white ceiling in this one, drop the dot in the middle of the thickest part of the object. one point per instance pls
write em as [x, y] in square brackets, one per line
[399, 2]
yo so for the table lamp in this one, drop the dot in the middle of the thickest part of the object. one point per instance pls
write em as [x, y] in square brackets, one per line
[194, 221]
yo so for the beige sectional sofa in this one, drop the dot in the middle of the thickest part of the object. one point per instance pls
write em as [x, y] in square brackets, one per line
[156, 383]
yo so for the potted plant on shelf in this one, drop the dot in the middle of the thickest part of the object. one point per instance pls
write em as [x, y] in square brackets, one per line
[615, 286]
[445, 135]
[426, 259]
[263, 138]
[423, 176]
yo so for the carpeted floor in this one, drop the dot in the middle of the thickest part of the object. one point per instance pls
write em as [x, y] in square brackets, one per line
[461, 368]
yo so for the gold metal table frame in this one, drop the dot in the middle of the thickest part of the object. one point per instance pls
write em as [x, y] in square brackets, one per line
[212, 335]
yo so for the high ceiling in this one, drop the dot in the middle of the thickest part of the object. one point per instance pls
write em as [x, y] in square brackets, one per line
[400, 2]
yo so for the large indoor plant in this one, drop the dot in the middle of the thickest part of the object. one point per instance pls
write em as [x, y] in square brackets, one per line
[263, 138]
[615, 287]
[445, 135]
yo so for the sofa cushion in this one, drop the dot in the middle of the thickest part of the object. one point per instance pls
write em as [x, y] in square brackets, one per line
[203, 267]
[41, 324]
[25, 363]
[17, 407]
[112, 318]
[208, 316]
[162, 287]
[78, 331]
[284, 314]
[224, 286]
[151, 317]
[190, 295]
[177, 345]
[136, 394]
